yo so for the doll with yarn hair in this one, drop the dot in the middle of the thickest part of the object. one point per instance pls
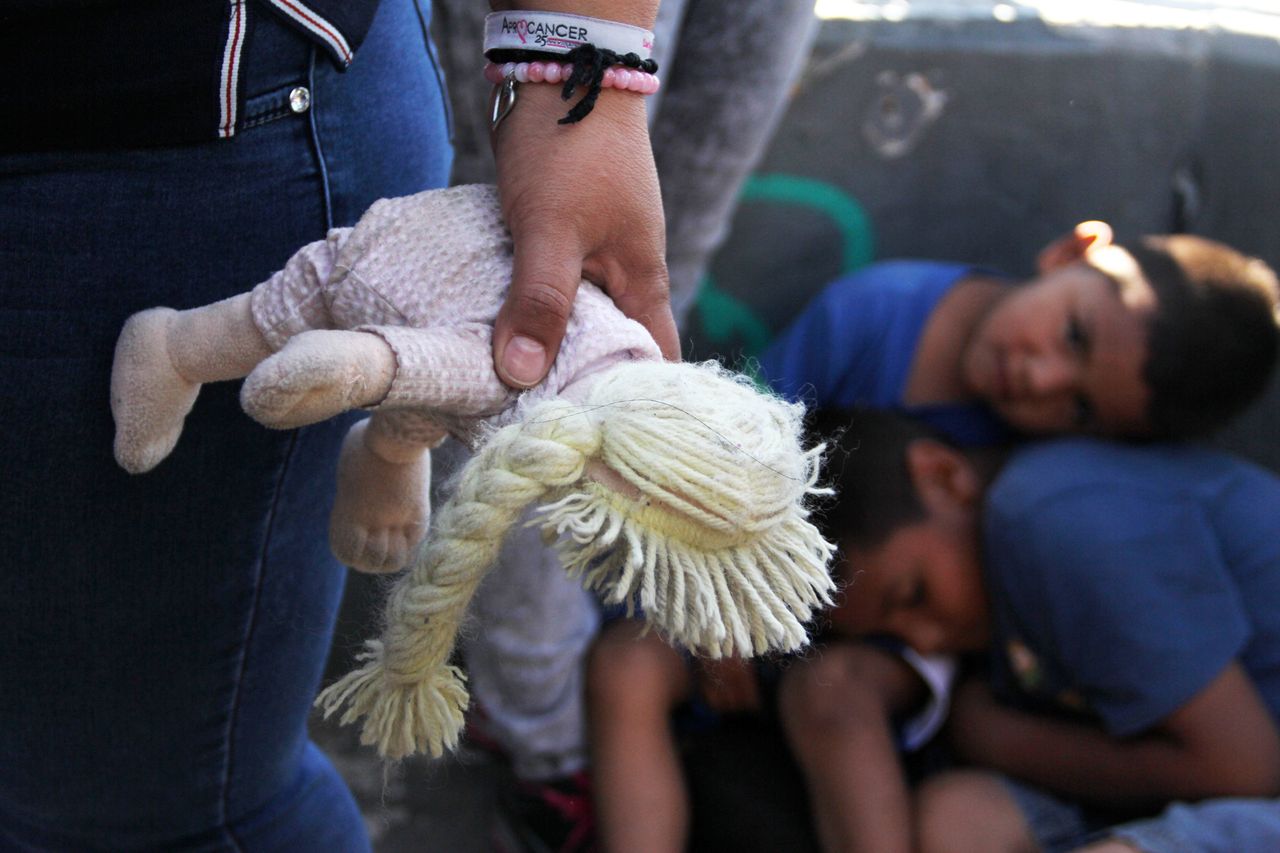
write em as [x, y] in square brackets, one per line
[676, 488]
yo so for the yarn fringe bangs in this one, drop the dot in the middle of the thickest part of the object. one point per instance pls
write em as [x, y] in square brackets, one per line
[740, 600]
[401, 717]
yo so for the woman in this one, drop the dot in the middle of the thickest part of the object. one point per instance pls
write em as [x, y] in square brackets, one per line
[162, 637]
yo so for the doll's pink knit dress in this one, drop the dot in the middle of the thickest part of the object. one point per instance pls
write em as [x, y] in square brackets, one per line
[428, 273]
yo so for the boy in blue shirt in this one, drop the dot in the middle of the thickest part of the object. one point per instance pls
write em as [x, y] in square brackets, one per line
[1164, 337]
[1128, 595]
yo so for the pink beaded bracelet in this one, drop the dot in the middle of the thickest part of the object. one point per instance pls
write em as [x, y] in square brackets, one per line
[627, 79]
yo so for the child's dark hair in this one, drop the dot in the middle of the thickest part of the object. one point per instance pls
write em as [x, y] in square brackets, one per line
[867, 467]
[1213, 339]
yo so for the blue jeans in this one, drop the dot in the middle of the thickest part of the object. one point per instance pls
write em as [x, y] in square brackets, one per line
[1226, 825]
[1229, 825]
[162, 636]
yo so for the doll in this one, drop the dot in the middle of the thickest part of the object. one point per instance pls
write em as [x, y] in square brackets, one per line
[676, 488]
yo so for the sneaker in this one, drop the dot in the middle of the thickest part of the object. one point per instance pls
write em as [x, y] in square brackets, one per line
[556, 816]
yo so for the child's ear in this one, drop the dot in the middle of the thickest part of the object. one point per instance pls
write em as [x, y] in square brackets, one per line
[944, 478]
[1069, 248]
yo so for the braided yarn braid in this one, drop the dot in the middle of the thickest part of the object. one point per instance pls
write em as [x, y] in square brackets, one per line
[410, 697]
[710, 536]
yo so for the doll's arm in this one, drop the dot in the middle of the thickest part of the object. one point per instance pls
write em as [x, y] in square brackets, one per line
[382, 505]
[438, 371]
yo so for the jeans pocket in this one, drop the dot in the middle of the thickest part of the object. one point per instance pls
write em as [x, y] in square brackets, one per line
[292, 99]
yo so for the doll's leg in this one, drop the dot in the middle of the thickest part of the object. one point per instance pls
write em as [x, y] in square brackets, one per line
[163, 356]
[317, 375]
[382, 505]
[161, 359]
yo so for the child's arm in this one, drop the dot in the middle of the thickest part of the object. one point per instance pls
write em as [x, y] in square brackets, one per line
[838, 710]
[728, 685]
[1222, 742]
[634, 681]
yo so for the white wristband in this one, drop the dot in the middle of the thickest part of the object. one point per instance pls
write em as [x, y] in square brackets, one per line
[561, 32]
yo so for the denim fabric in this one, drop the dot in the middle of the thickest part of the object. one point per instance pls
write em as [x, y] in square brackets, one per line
[1056, 823]
[1228, 825]
[162, 636]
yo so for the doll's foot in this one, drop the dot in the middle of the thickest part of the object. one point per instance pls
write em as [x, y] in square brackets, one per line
[317, 375]
[149, 399]
[381, 509]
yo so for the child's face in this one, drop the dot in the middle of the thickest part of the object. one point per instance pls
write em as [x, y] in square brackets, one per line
[1064, 353]
[923, 585]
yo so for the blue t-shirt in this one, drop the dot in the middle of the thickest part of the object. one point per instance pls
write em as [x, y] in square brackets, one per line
[854, 344]
[1123, 579]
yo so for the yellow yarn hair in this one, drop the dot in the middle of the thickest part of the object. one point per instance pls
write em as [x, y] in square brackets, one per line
[717, 550]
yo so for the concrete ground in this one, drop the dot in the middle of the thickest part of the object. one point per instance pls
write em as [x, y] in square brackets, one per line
[420, 804]
[748, 797]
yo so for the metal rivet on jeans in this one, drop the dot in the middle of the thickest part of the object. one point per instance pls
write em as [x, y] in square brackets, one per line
[300, 99]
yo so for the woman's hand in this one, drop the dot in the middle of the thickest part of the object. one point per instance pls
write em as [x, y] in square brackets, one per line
[581, 201]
